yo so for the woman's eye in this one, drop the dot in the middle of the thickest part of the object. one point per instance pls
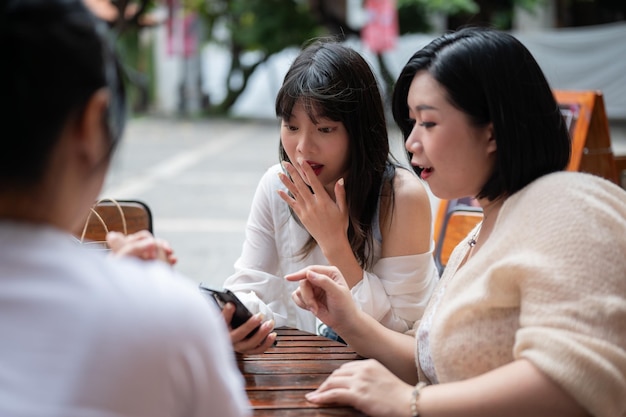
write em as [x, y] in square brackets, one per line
[326, 129]
[290, 127]
[427, 124]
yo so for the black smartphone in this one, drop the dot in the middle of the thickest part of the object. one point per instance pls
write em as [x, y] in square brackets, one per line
[221, 297]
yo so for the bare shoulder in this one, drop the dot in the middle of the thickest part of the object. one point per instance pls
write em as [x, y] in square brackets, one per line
[406, 222]
[409, 190]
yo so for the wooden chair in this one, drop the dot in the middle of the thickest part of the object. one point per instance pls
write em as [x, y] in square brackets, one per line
[620, 166]
[125, 216]
[454, 220]
[585, 115]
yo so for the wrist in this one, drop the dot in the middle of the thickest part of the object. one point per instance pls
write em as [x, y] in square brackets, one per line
[343, 258]
[335, 246]
[415, 399]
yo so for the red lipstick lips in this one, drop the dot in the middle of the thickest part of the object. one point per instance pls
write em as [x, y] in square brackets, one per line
[317, 168]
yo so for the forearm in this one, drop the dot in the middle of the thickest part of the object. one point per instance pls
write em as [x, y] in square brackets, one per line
[518, 389]
[371, 339]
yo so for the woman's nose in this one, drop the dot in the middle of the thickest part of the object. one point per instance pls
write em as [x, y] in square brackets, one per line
[305, 143]
[412, 142]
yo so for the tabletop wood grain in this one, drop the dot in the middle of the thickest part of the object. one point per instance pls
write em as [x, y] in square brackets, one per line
[277, 380]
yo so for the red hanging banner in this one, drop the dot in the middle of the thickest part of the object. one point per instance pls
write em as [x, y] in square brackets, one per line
[182, 37]
[381, 30]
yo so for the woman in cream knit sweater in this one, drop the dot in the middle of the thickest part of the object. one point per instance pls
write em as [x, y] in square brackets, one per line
[529, 317]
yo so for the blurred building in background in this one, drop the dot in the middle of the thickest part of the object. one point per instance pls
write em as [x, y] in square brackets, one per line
[191, 57]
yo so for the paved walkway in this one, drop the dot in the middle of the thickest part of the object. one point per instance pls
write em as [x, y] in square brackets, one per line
[198, 177]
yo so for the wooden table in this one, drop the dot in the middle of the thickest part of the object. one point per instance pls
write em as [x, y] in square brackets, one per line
[277, 380]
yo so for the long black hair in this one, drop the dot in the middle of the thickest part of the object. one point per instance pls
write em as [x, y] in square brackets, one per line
[334, 81]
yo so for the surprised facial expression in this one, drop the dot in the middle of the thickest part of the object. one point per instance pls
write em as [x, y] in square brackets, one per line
[323, 144]
[456, 156]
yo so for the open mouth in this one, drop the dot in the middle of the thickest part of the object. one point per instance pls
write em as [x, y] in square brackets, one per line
[425, 172]
[317, 168]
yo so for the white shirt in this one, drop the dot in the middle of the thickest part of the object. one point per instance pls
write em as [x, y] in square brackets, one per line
[87, 335]
[394, 291]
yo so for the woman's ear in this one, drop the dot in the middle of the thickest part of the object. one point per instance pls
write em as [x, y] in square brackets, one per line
[492, 147]
[91, 128]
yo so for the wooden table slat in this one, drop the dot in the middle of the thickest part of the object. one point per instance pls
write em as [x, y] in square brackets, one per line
[309, 338]
[290, 367]
[271, 382]
[285, 399]
[277, 380]
[315, 350]
[305, 356]
[308, 412]
[320, 341]
[288, 331]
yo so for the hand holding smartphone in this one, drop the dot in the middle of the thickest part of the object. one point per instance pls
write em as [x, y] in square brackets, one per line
[221, 297]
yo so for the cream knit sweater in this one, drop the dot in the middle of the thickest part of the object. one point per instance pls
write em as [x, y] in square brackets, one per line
[550, 286]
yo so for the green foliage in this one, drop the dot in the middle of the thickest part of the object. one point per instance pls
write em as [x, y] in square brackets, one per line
[271, 25]
[529, 5]
[449, 7]
[264, 27]
[412, 14]
[135, 58]
[412, 18]
[498, 13]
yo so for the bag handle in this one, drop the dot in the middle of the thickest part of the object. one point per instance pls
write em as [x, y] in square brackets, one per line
[93, 211]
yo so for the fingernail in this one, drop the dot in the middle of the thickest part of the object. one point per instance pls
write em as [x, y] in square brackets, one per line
[340, 181]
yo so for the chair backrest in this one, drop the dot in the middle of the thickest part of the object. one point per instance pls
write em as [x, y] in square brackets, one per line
[125, 216]
[455, 219]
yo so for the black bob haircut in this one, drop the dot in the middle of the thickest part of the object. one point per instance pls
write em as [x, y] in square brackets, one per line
[490, 76]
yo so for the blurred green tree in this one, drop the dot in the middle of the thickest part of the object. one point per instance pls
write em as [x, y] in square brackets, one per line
[252, 31]
[413, 14]
[127, 18]
[495, 13]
